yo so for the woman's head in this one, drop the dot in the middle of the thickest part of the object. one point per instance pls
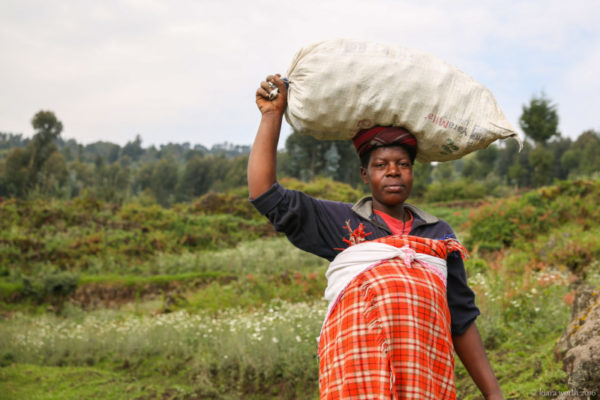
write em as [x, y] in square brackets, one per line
[387, 156]
[381, 136]
[389, 175]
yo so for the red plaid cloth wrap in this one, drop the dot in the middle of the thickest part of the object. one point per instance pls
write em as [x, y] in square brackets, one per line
[388, 335]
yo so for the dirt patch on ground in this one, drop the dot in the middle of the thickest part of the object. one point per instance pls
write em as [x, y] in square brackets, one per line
[116, 294]
[111, 295]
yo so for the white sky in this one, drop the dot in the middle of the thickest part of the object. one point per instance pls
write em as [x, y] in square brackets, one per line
[186, 71]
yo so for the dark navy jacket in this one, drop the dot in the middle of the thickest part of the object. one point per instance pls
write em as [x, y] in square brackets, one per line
[317, 226]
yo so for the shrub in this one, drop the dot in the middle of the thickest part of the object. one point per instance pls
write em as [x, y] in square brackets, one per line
[225, 203]
[53, 286]
[455, 190]
[516, 220]
[325, 188]
[571, 247]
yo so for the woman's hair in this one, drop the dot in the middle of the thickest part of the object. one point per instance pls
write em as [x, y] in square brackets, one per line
[412, 153]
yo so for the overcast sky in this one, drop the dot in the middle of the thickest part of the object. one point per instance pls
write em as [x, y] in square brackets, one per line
[186, 71]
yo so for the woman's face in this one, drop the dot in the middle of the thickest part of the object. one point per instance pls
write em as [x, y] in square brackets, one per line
[389, 174]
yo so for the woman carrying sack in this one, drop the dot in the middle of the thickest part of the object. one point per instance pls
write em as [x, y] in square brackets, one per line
[399, 303]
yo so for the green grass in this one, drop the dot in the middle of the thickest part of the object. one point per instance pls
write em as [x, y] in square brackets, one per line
[241, 321]
[35, 382]
[523, 315]
[455, 216]
[270, 351]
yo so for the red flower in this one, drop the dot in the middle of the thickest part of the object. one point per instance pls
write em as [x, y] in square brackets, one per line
[356, 236]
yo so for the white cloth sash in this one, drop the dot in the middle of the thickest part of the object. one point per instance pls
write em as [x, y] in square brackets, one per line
[357, 258]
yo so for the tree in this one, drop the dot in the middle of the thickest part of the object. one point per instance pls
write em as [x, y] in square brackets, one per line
[48, 129]
[444, 172]
[236, 175]
[541, 160]
[80, 176]
[539, 119]
[519, 171]
[559, 146]
[481, 164]
[583, 157]
[47, 126]
[134, 149]
[109, 152]
[25, 168]
[164, 180]
[306, 157]
[507, 156]
[3, 188]
[219, 166]
[421, 178]
[143, 178]
[193, 181]
[16, 173]
[332, 161]
[53, 175]
[112, 182]
[9, 140]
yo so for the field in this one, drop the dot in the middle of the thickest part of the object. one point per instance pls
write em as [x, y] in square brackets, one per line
[200, 301]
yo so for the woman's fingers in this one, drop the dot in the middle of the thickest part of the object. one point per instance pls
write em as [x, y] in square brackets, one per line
[267, 86]
[262, 92]
[269, 95]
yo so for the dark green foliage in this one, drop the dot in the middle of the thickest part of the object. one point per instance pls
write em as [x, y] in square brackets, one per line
[47, 166]
[583, 156]
[16, 172]
[72, 234]
[111, 182]
[542, 162]
[325, 189]
[421, 179]
[539, 119]
[463, 189]
[307, 158]
[51, 286]
[47, 127]
[198, 337]
[39, 166]
[134, 149]
[514, 221]
[226, 203]
[519, 172]
[164, 180]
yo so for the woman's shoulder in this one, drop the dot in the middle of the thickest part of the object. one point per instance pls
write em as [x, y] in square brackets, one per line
[428, 225]
[423, 215]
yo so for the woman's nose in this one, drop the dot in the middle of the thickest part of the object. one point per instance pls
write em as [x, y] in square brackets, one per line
[393, 169]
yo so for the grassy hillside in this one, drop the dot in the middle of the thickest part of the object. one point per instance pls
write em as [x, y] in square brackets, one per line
[203, 301]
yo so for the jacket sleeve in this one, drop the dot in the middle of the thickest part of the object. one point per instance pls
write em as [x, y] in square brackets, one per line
[310, 224]
[461, 299]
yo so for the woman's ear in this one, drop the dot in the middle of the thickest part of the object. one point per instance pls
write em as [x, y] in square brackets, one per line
[364, 175]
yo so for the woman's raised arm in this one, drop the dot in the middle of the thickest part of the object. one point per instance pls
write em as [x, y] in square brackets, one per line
[262, 163]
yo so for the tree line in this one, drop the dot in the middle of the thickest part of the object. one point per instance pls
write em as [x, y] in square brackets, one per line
[48, 166]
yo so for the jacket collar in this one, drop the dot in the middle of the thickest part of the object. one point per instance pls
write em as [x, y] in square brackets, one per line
[364, 209]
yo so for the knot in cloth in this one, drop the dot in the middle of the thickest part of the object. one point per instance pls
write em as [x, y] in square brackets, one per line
[408, 255]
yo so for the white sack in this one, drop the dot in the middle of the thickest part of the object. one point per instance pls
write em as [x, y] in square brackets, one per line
[338, 87]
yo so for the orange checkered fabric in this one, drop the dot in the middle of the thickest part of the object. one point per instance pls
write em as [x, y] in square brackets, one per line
[388, 336]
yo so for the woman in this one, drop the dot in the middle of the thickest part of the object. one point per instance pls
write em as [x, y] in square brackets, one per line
[380, 340]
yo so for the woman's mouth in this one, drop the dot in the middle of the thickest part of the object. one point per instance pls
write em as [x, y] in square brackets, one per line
[394, 188]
